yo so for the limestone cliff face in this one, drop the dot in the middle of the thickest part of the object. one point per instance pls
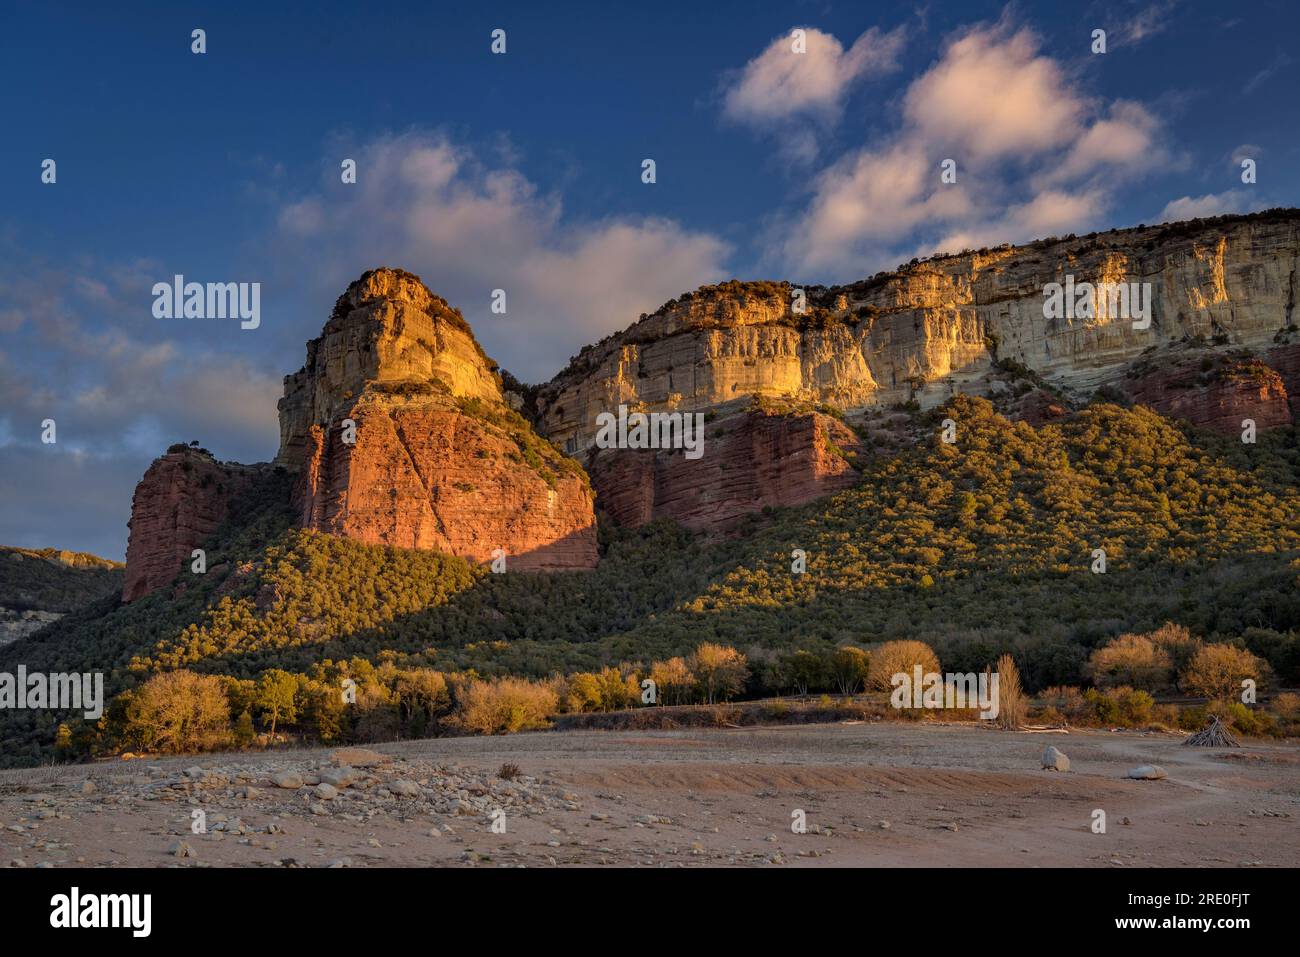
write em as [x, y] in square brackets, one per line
[401, 436]
[752, 459]
[386, 329]
[936, 328]
[182, 499]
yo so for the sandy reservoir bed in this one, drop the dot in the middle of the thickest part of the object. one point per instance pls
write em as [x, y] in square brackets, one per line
[875, 794]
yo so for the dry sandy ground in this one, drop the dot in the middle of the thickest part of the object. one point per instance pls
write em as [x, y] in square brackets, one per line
[877, 794]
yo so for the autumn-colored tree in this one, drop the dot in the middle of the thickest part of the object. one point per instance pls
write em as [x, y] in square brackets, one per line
[177, 711]
[274, 697]
[504, 705]
[1011, 695]
[899, 657]
[720, 671]
[673, 681]
[582, 693]
[1132, 660]
[849, 666]
[421, 696]
[1217, 671]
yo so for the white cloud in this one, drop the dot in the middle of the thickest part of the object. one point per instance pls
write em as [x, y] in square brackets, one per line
[465, 227]
[992, 95]
[1034, 154]
[779, 82]
[1211, 204]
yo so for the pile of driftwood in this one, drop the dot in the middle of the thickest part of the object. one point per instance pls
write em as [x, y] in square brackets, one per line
[1215, 735]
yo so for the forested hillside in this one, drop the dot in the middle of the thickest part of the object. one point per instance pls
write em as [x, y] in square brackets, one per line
[978, 547]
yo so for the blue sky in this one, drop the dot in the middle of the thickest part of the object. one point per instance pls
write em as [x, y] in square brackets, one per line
[523, 172]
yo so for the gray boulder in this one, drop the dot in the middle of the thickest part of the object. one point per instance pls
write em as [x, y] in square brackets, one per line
[1054, 760]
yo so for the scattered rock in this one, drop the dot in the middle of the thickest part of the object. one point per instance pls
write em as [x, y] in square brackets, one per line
[326, 792]
[1148, 772]
[341, 777]
[180, 849]
[404, 788]
[289, 780]
[1055, 760]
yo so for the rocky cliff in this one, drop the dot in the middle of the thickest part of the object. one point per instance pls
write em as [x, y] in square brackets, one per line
[398, 433]
[969, 323]
[40, 586]
[753, 458]
[402, 436]
[182, 499]
[935, 328]
[1215, 391]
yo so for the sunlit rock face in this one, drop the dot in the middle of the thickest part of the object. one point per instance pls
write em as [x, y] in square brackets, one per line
[935, 328]
[401, 435]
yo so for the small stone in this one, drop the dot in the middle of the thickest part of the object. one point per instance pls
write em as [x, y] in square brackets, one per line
[326, 792]
[1148, 772]
[341, 777]
[290, 780]
[180, 849]
[404, 788]
[1055, 760]
[87, 786]
[884, 825]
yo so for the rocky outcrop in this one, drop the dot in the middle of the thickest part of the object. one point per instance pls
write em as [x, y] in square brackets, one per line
[398, 433]
[1285, 360]
[182, 499]
[1216, 391]
[387, 332]
[15, 624]
[422, 473]
[751, 459]
[402, 436]
[938, 327]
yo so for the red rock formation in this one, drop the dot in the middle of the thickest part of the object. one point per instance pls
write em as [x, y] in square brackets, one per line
[424, 476]
[1214, 391]
[751, 459]
[182, 499]
[1038, 407]
[1285, 360]
[439, 460]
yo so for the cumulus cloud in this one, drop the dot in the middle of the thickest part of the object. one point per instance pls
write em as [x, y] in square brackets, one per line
[1211, 204]
[780, 82]
[467, 226]
[120, 387]
[1034, 156]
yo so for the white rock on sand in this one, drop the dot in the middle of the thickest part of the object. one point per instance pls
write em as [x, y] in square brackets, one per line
[1055, 760]
[1148, 772]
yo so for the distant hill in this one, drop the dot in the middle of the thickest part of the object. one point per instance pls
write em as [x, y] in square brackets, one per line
[38, 586]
